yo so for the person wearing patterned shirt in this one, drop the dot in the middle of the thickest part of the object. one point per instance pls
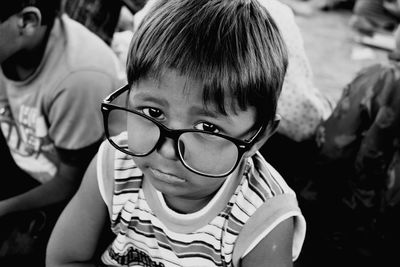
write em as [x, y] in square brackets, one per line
[357, 170]
[180, 181]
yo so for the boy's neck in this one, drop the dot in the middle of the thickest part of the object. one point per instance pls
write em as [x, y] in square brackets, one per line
[25, 62]
[187, 206]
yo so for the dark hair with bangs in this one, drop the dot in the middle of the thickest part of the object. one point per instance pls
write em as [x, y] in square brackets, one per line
[50, 9]
[232, 46]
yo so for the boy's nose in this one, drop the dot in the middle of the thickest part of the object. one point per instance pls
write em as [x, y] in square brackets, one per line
[166, 147]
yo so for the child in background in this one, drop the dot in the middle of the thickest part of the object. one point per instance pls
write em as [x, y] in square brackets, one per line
[53, 74]
[182, 182]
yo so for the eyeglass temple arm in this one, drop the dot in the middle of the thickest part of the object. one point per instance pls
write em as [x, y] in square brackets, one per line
[253, 138]
[116, 93]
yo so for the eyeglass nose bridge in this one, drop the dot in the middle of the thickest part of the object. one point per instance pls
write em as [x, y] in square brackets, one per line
[171, 134]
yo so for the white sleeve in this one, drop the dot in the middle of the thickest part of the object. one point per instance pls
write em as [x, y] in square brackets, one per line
[105, 172]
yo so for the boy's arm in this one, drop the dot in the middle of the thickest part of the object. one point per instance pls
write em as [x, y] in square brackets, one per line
[273, 250]
[78, 231]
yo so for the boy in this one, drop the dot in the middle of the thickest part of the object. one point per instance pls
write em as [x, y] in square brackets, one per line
[182, 180]
[53, 74]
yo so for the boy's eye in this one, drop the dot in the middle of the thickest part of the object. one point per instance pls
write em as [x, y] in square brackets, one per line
[207, 127]
[153, 113]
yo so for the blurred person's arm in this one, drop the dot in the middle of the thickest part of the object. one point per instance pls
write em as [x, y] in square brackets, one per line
[78, 231]
[339, 136]
[75, 127]
[60, 189]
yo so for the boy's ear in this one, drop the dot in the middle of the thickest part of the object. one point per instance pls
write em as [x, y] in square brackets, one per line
[264, 136]
[30, 18]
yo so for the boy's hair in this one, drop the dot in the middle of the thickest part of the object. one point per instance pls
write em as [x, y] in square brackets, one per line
[49, 9]
[232, 46]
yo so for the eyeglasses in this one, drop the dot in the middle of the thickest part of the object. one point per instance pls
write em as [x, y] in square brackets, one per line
[205, 153]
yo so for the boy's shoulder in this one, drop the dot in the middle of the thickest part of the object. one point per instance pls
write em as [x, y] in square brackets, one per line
[78, 61]
[84, 50]
[265, 179]
[272, 202]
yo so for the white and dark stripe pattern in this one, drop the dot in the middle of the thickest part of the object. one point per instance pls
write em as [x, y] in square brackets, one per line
[143, 239]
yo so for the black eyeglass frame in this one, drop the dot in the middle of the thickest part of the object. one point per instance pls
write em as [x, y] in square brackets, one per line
[165, 132]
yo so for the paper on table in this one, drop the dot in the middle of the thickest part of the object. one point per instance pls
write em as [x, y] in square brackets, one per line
[379, 40]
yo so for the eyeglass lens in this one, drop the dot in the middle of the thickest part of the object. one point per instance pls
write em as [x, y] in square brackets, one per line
[204, 152]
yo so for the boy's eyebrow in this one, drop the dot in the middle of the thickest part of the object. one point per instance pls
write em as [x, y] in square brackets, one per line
[205, 112]
[145, 97]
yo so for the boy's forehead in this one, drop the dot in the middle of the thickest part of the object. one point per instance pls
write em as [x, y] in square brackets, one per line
[186, 90]
[192, 87]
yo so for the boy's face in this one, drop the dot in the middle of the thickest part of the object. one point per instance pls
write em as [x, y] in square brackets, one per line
[8, 38]
[177, 103]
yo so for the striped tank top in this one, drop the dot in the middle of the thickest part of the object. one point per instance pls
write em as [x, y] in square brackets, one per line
[149, 233]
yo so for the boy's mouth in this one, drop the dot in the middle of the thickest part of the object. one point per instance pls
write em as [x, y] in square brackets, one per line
[166, 177]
